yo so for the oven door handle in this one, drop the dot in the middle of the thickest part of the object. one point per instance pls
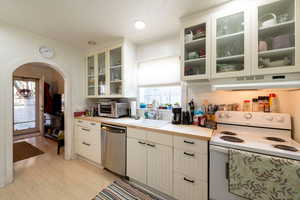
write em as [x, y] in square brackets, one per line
[219, 149]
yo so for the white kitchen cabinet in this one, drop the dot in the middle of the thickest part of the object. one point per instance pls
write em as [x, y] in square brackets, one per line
[115, 74]
[196, 42]
[231, 43]
[88, 140]
[274, 34]
[149, 162]
[160, 167]
[186, 188]
[137, 160]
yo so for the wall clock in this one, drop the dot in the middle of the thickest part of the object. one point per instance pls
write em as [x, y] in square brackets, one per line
[46, 52]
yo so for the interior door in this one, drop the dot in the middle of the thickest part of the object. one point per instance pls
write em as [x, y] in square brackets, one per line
[26, 105]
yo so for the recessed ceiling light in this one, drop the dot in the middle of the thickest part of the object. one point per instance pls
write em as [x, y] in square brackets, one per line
[139, 25]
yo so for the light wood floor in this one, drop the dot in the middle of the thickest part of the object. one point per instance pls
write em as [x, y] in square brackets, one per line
[49, 176]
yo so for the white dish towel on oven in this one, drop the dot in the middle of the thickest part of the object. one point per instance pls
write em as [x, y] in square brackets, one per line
[261, 177]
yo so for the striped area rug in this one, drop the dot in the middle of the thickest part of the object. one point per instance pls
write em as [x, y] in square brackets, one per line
[123, 190]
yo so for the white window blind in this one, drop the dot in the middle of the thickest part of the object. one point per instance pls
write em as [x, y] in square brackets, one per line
[161, 71]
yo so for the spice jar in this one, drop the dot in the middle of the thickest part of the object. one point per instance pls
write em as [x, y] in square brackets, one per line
[255, 106]
[246, 106]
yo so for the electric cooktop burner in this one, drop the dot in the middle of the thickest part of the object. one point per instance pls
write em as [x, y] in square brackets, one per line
[228, 133]
[232, 139]
[285, 147]
[276, 139]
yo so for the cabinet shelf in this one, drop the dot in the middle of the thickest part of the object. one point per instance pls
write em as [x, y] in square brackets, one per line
[197, 42]
[276, 52]
[116, 66]
[116, 81]
[276, 27]
[230, 35]
[236, 57]
[196, 60]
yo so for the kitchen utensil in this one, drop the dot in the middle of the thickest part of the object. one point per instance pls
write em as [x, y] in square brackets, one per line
[269, 19]
[188, 36]
[278, 63]
[176, 115]
[281, 41]
[262, 46]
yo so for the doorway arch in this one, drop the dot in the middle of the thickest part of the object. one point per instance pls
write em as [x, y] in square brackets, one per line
[8, 137]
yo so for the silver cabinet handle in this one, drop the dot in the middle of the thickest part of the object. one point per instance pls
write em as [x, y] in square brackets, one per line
[79, 121]
[189, 142]
[151, 145]
[87, 144]
[141, 142]
[188, 180]
[189, 154]
[93, 124]
[85, 129]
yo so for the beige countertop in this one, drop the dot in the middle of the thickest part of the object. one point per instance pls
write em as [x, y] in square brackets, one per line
[189, 131]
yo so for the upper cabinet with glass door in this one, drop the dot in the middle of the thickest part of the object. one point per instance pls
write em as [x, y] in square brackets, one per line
[115, 74]
[91, 76]
[115, 70]
[102, 79]
[230, 44]
[276, 38]
[196, 54]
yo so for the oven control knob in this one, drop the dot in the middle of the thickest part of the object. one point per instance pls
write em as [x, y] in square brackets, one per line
[269, 118]
[280, 119]
[221, 115]
[228, 115]
[248, 116]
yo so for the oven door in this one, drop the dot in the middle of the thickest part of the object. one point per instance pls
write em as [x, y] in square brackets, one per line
[218, 174]
[106, 109]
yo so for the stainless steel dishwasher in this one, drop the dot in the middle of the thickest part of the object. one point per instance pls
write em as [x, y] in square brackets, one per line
[113, 148]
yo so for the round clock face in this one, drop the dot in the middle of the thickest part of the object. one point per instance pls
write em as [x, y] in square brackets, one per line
[46, 52]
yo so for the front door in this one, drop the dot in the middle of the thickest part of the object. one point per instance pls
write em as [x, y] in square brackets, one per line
[26, 104]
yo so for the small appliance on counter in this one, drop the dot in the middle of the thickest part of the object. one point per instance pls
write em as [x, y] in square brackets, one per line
[176, 115]
[113, 109]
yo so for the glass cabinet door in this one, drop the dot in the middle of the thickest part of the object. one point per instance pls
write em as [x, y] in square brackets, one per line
[115, 59]
[229, 45]
[195, 52]
[91, 78]
[276, 37]
[101, 74]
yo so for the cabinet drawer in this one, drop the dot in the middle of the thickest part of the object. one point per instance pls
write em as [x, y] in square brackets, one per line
[190, 144]
[191, 163]
[88, 124]
[136, 133]
[187, 188]
[90, 151]
[160, 138]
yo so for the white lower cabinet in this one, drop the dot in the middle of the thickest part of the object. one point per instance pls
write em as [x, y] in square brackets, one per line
[187, 188]
[173, 165]
[160, 167]
[137, 160]
[88, 140]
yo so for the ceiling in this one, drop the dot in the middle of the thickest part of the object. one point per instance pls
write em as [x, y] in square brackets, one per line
[77, 21]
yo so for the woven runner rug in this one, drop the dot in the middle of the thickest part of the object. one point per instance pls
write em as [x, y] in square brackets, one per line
[121, 190]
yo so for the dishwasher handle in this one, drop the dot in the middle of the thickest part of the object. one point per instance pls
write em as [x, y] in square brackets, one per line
[114, 129]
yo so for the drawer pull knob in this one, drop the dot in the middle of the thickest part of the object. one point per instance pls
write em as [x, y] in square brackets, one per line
[189, 142]
[141, 142]
[87, 144]
[151, 145]
[188, 180]
[189, 154]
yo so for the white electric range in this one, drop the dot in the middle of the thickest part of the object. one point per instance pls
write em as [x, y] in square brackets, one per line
[265, 133]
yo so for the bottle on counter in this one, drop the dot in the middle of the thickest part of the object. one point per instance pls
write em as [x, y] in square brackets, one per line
[255, 106]
[266, 104]
[274, 103]
[246, 106]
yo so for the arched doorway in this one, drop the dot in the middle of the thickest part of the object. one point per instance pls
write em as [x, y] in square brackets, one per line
[8, 137]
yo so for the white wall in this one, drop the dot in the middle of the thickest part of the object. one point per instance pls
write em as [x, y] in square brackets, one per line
[18, 47]
[162, 48]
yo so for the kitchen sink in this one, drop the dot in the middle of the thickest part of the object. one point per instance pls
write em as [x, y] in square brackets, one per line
[150, 123]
